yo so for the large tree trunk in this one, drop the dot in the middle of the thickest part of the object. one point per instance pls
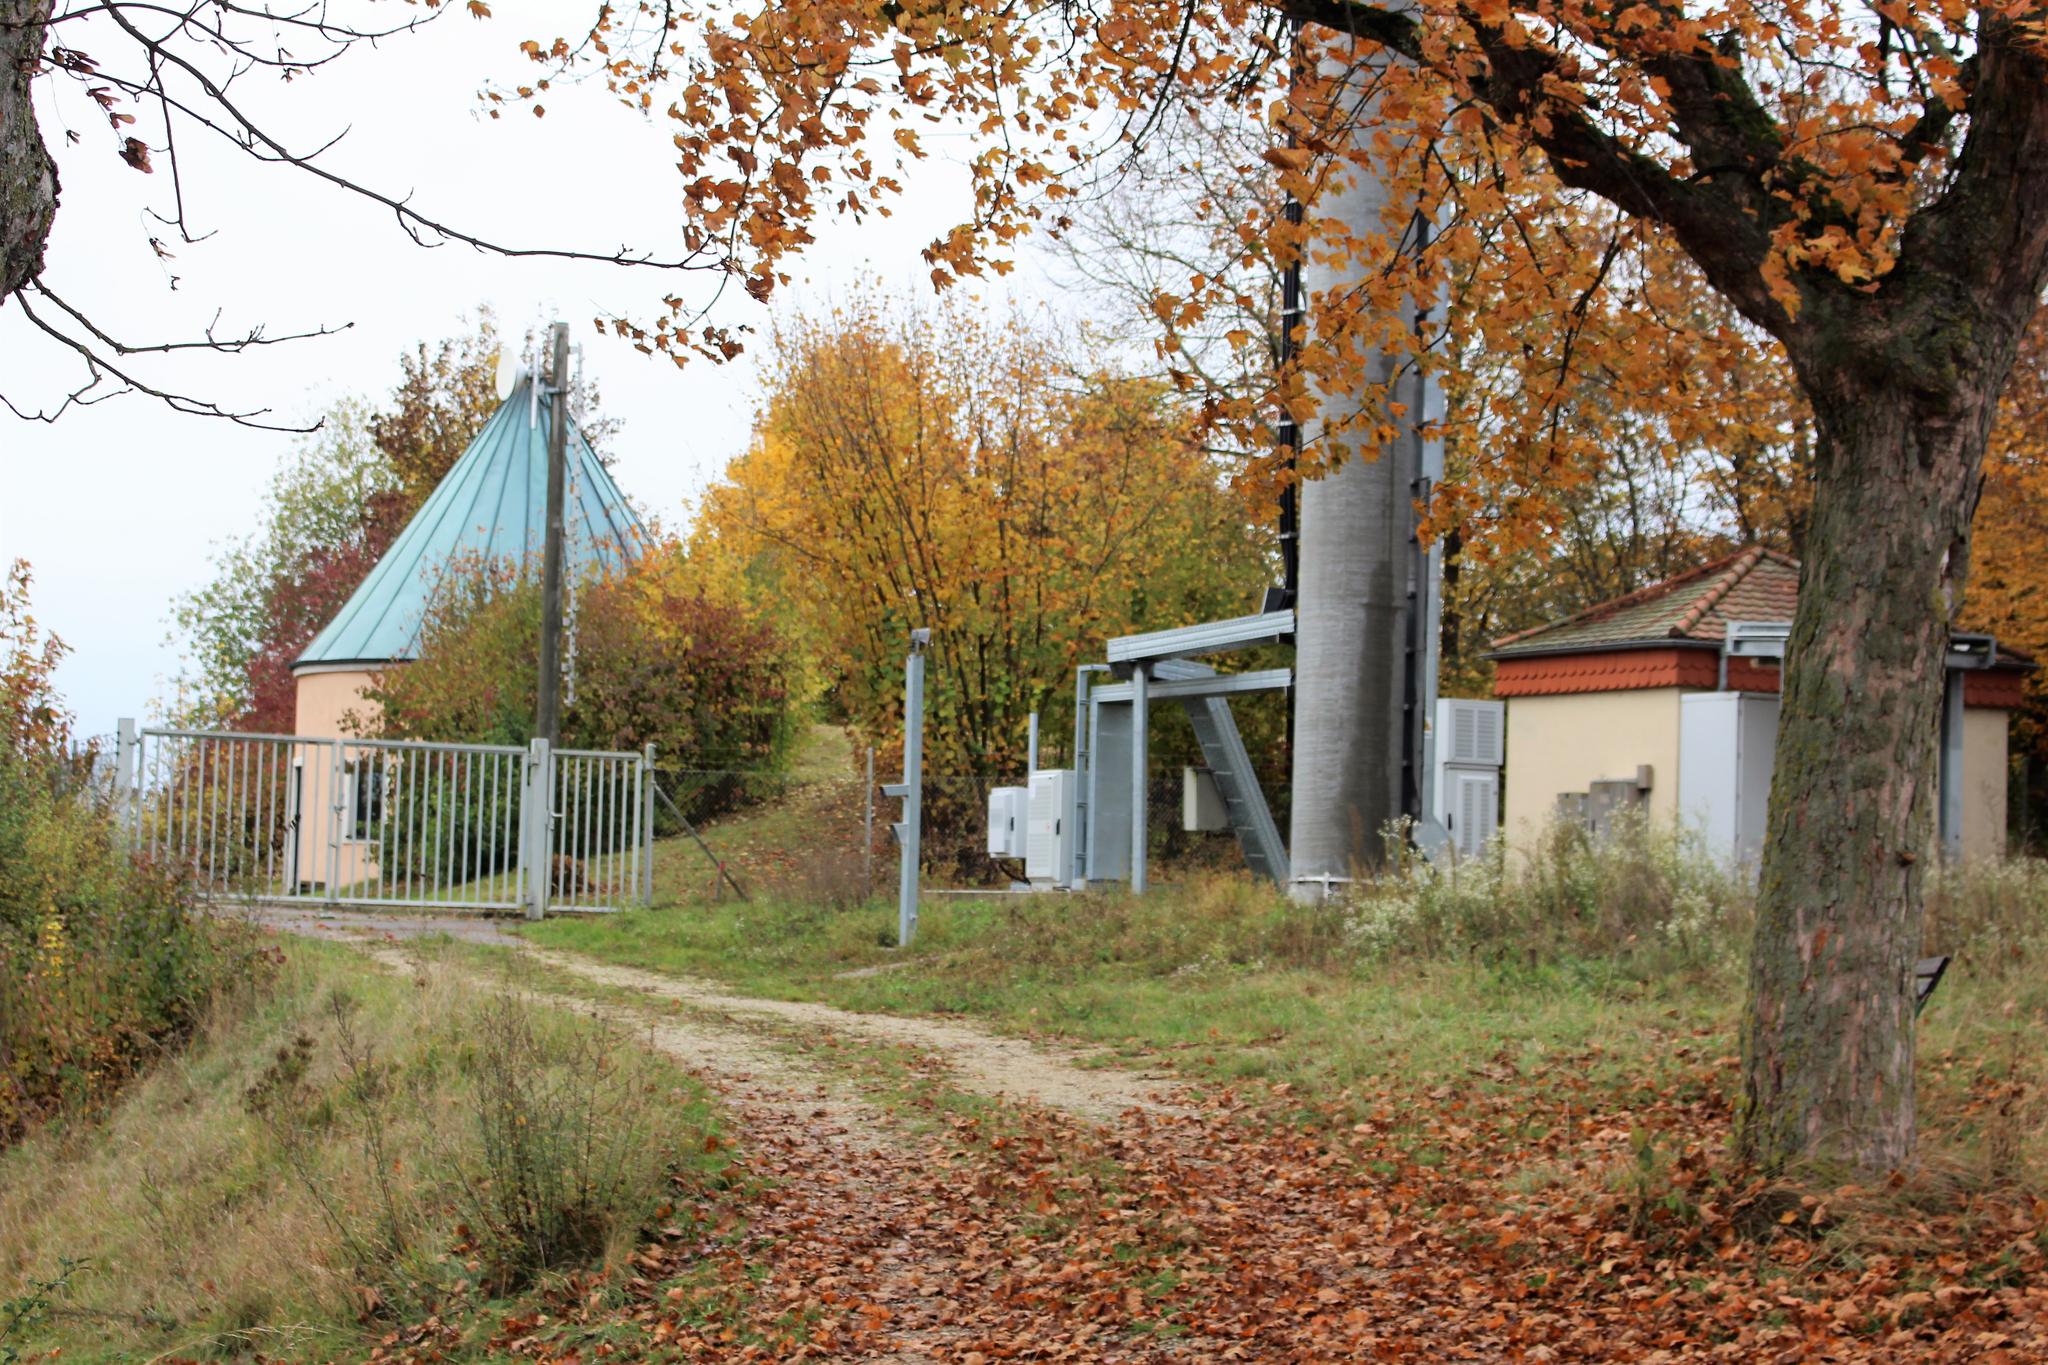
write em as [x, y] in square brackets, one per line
[1828, 1035]
[28, 177]
[1904, 382]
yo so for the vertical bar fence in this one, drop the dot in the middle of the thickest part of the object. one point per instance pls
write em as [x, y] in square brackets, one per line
[488, 827]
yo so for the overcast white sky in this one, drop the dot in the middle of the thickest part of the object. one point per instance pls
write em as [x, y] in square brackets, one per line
[118, 506]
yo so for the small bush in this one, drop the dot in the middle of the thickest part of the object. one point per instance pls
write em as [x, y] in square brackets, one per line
[656, 663]
[1992, 914]
[1647, 897]
[564, 1162]
[544, 1152]
[101, 965]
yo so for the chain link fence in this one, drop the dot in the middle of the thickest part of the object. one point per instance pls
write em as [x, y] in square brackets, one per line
[825, 838]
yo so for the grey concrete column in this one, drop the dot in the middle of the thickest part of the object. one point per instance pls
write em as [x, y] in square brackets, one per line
[1365, 610]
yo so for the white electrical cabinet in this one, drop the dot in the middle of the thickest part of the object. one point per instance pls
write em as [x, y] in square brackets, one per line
[1201, 802]
[1470, 733]
[1474, 806]
[1727, 742]
[1009, 820]
[1469, 745]
[1049, 853]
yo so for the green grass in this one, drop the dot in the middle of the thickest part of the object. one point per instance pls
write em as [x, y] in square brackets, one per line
[805, 844]
[1228, 981]
[259, 1193]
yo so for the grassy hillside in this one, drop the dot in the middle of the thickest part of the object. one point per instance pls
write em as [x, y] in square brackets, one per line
[803, 842]
[363, 1148]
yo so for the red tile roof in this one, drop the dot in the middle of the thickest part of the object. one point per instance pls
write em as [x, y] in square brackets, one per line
[1605, 670]
[1754, 584]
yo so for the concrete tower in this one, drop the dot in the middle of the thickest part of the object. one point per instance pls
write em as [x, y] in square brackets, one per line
[1367, 607]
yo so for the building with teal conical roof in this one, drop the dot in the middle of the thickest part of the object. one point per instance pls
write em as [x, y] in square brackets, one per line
[491, 507]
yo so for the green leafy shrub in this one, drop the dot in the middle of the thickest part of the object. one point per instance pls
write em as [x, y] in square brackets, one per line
[656, 662]
[101, 965]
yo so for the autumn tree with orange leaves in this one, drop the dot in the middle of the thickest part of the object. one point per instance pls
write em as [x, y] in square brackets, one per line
[1866, 187]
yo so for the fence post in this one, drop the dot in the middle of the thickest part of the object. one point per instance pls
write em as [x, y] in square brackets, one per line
[909, 834]
[868, 849]
[535, 806]
[126, 754]
[336, 811]
[1140, 792]
[647, 827]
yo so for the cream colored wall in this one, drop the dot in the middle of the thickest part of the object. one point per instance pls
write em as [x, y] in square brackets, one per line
[1984, 772]
[1563, 743]
[1566, 743]
[323, 700]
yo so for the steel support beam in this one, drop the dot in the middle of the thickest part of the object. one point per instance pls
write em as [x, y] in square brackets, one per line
[1951, 778]
[1210, 637]
[1140, 743]
[910, 831]
[1187, 689]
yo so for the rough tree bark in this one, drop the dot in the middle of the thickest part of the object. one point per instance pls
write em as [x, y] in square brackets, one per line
[28, 177]
[1904, 383]
[1828, 1035]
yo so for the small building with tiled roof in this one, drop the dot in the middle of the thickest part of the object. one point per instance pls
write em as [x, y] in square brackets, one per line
[1598, 711]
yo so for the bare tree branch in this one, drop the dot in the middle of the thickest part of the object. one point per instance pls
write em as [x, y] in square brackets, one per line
[98, 367]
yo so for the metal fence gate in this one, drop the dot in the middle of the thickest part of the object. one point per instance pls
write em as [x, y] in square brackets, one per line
[391, 822]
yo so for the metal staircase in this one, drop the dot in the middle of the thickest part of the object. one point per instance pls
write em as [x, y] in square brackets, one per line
[1231, 767]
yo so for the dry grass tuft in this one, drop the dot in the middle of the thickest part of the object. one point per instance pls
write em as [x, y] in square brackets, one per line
[362, 1147]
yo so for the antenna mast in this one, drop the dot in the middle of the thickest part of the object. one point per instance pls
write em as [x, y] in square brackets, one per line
[1292, 317]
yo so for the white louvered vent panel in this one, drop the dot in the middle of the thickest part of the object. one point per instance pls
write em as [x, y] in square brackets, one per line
[1478, 811]
[1470, 731]
[1049, 813]
[1487, 724]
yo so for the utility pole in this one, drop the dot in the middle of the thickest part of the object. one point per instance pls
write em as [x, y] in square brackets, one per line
[547, 723]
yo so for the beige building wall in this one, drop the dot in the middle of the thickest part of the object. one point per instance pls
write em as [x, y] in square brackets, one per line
[324, 699]
[1984, 774]
[1566, 743]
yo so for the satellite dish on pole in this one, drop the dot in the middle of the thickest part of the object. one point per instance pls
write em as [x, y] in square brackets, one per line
[509, 373]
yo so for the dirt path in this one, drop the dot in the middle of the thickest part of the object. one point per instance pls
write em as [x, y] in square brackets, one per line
[746, 1068]
[862, 1230]
[984, 1063]
[974, 1060]
[874, 1221]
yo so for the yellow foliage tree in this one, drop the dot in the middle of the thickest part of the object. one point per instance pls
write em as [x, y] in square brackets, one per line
[946, 469]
